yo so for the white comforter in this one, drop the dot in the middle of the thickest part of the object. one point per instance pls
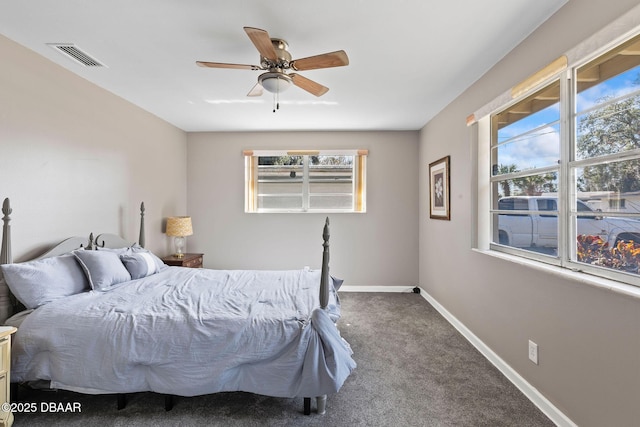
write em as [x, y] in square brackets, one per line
[189, 332]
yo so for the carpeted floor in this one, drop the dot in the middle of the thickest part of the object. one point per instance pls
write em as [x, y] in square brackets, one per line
[414, 369]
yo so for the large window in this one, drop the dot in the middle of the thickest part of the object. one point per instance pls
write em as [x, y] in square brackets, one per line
[565, 169]
[305, 181]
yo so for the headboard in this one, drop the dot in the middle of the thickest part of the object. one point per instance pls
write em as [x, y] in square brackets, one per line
[9, 305]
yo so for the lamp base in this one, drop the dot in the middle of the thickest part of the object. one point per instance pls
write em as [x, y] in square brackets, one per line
[179, 243]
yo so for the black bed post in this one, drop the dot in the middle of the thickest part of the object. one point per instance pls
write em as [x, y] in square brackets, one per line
[5, 254]
[141, 238]
[122, 401]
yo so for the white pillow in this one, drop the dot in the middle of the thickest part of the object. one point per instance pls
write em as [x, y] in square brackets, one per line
[160, 265]
[35, 283]
[140, 264]
[103, 268]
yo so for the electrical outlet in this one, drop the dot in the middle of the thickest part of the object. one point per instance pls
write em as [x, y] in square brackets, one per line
[533, 352]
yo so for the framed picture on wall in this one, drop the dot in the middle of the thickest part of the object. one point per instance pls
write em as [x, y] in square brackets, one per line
[439, 197]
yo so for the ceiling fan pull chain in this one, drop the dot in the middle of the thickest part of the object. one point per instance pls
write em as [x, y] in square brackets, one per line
[276, 96]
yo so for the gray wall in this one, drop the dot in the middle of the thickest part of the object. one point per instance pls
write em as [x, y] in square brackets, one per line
[76, 159]
[377, 248]
[588, 338]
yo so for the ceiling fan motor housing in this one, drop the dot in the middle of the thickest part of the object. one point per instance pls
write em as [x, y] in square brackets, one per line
[282, 52]
[276, 80]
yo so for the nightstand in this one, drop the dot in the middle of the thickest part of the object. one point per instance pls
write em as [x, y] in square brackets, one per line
[188, 260]
[6, 417]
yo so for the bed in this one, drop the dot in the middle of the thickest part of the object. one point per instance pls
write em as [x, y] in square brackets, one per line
[104, 316]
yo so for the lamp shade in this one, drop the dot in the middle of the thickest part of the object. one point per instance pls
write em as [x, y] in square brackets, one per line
[179, 226]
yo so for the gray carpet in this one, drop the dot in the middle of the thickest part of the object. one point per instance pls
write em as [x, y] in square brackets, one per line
[414, 369]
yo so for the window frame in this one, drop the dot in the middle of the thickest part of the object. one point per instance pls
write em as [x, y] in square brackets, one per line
[494, 209]
[567, 194]
[358, 191]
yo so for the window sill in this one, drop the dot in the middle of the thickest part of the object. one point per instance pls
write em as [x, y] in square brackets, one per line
[309, 211]
[564, 273]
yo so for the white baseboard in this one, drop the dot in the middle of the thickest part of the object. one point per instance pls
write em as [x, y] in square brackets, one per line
[400, 289]
[554, 414]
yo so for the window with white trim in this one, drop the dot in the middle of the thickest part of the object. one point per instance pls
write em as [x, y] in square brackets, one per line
[565, 168]
[305, 181]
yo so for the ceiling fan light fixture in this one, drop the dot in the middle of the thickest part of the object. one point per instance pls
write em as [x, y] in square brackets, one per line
[275, 82]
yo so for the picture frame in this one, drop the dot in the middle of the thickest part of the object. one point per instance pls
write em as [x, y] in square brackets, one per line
[439, 194]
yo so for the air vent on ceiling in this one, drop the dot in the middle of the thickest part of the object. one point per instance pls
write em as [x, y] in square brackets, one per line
[73, 52]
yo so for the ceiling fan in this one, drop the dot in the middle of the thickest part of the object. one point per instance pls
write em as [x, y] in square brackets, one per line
[276, 60]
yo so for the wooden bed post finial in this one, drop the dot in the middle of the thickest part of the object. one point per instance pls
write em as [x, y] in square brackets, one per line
[5, 253]
[141, 240]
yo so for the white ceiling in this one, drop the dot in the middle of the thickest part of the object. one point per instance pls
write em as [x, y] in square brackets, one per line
[408, 58]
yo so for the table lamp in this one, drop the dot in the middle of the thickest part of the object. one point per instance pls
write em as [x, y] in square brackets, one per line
[179, 227]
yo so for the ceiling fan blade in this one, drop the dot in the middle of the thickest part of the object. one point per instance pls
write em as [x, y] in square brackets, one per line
[262, 42]
[338, 58]
[309, 85]
[225, 65]
[256, 90]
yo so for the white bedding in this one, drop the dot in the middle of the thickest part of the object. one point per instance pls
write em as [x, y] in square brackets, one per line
[189, 332]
